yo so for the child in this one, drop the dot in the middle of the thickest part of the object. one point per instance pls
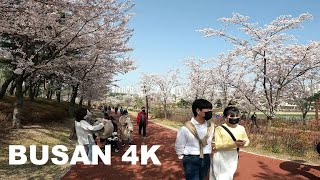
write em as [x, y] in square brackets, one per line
[225, 158]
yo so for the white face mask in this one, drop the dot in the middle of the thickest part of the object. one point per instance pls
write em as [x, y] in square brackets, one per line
[88, 115]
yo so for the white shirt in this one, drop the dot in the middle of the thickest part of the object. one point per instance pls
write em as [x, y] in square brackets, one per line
[84, 131]
[187, 144]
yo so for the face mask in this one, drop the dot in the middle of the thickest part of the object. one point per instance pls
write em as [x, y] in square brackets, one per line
[234, 120]
[208, 115]
[143, 110]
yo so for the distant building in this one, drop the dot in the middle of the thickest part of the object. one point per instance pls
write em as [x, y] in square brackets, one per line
[124, 90]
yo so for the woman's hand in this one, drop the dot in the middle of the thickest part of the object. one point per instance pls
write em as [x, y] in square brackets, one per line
[240, 143]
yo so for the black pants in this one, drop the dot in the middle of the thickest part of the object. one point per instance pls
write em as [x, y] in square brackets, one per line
[114, 144]
[254, 123]
[143, 125]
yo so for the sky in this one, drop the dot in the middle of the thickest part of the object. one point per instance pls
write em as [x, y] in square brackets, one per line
[165, 30]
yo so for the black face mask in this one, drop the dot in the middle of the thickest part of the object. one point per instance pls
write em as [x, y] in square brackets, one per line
[234, 120]
[143, 110]
[208, 115]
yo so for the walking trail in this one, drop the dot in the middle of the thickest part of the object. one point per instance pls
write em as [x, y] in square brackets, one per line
[250, 166]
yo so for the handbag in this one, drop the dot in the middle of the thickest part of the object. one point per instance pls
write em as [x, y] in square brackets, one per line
[73, 134]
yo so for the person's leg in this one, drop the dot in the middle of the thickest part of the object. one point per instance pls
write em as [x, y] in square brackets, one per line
[191, 166]
[255, 122]
[251, 125]
[129, 140]
[140, 127]
[90, 152]
[205, 165]
[86, 148]
[115, 145]
[144, 129]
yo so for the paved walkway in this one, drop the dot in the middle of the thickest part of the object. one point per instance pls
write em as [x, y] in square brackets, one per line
[250, 166]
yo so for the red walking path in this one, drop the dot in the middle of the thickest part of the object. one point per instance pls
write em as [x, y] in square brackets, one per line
[250, 166]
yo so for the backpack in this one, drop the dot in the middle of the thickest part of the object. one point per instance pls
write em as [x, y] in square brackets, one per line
[203, 141]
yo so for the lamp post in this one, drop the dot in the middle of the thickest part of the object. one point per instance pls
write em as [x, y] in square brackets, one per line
[317, 109]
[316, 105]
[147, 103]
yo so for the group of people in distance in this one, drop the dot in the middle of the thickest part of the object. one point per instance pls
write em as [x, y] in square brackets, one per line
[204, 148]
[86, 128]
[200, 138]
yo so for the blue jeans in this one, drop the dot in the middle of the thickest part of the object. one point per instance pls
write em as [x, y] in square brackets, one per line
[196, 168]
[88, 148]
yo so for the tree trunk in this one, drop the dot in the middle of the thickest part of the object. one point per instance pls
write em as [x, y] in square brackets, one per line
[317, 111]
[37, 89]
[26, 89]
[147, 104]
[73, 100]
[58, 91]
[81, 101]
[31, 93]
[5, 85]
[17, 111]
[89, 103]
[165, 110]
[49, 89]
[269, 118]
[12, 87]
[304, 114]
[50, 95]
[58, 94]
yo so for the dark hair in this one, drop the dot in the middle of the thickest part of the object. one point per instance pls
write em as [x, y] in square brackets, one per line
[80, 114]
[200, 104]
[124, 112]
[106, 115]
[143, 108]
[231, 110]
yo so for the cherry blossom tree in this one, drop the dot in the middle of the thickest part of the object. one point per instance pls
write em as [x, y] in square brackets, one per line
[161, 86]
[65, 38]
[300, 92]
[270, 58]
[200, 78]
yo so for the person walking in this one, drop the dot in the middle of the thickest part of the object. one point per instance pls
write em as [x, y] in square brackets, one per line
[194, 141]
[254, 121]
[84, 130]
[228, 137]
[142, 121]
[121, 111]
[116, 110]
[126, 128]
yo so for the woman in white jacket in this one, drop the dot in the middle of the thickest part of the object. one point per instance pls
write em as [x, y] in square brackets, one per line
[84, 131]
